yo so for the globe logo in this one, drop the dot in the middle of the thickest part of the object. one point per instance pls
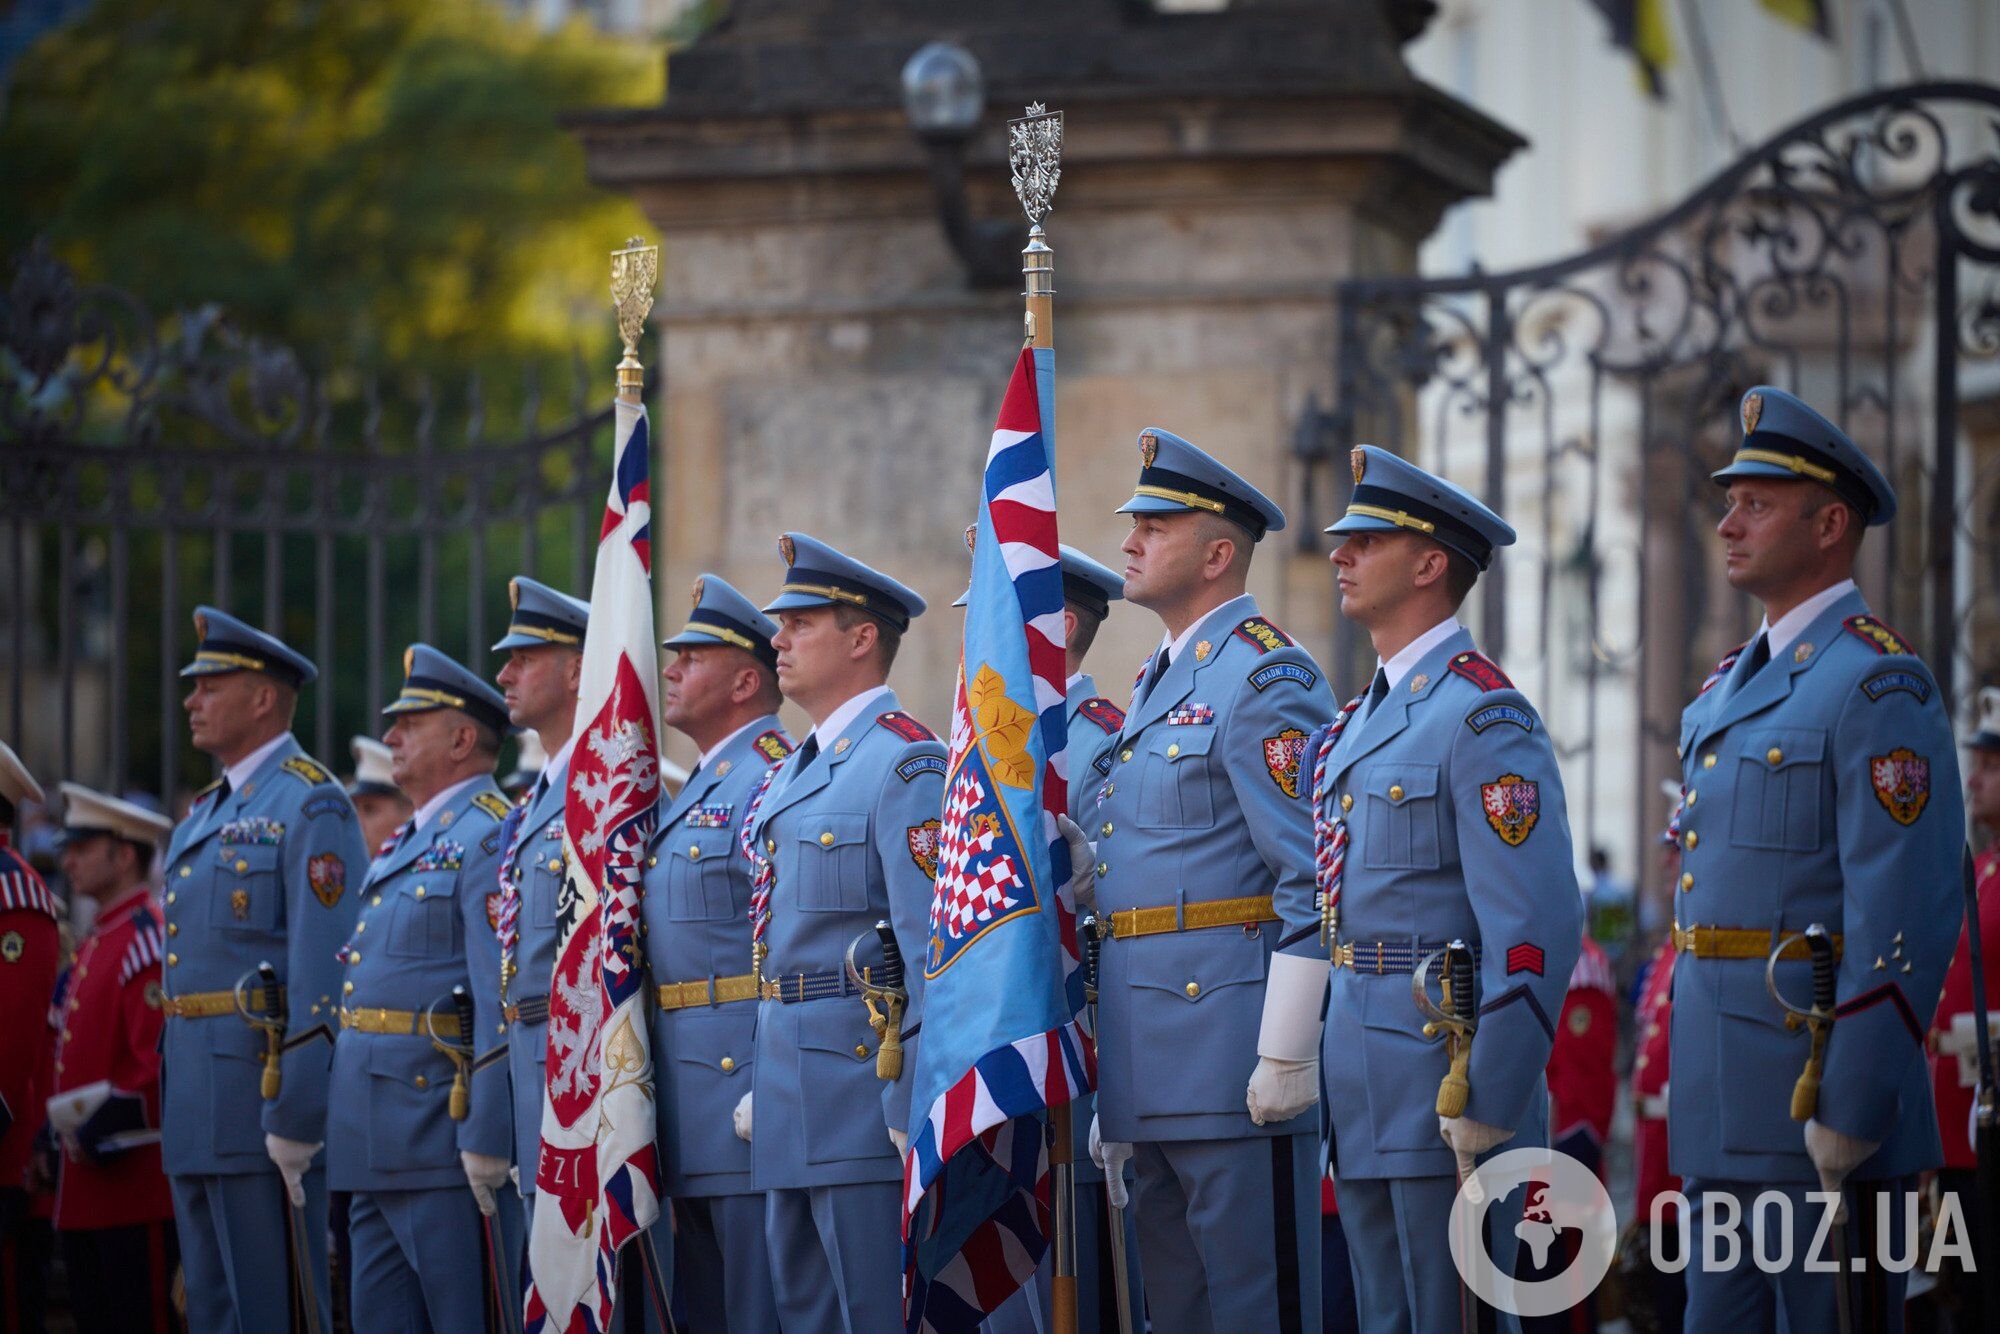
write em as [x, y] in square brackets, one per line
[1562, 1197]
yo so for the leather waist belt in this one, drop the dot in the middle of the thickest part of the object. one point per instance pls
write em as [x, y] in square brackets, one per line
[398, 1021]
[206, 1004]
[794, 988]
[533, 1010]
[1252, 911]
[1388, 956]
[706, 991]
[1738, 942]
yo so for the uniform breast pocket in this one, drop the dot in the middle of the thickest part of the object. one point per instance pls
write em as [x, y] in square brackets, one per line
[423, 923]
[833, 862]
[247, 889]
[542, 876]
[698, 875]
[1779, 799]
[1401, 832]
[1175, 784]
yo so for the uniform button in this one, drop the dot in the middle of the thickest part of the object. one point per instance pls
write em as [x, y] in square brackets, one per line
[359, 927]
[354, 956]
[186, 871]
[1708, 761]
[694, 849]
[421, 1082]
[1691, 838]
[1652, 1030]
[347, 988]
[173, 959]
[420, 891]
[728, 1064]
[1687, 879]
[1775, 755]
[1692, 796]
[770, 845]
[1395, 791]
[173, 928]
[170, 898]
[1641, 1063]
[1347, 801]
[1109, 788]
[1173, 750]
[1194, 989]
[1125, 756]
[242, 865]
[375, 901]
[1107, 827]
[1104, 868]
[860, 1049]
[652, 861]
[826, 839]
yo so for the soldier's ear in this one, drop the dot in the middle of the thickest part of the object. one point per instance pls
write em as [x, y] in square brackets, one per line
[867, 635]
[573, 674]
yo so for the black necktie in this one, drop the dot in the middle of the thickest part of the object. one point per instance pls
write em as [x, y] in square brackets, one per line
[1759, 655]
[1161, 661]
[808, 752]
[1378, 691]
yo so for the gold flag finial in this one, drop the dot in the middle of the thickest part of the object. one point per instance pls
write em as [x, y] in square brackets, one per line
[634, 272]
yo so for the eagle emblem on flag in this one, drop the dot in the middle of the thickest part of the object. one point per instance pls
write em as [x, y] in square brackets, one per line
[327, 874]
[1513, 804]
[1902, 780]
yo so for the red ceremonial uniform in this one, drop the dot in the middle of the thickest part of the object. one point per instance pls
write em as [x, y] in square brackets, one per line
[1652, 1177]
[1583, 1083]
[29, 950]
[112, 1017]
[1954, 1100]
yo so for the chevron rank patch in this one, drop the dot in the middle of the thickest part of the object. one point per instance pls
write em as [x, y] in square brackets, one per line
[1481, 671]
[1191, 715]
[1495, 714]
[1107, 716]
[1513, 805]
[1897, 678]
[924, 840]
[306, 770]
[772, 745]
[711, 815]
[1283, 756]
[1902, 781]
[906, 727]
[1262, 635]
[443, 855]
[1272, 673]
[909, 769]
[493, 804]
[327, 875]
[1877, 635]
[1525, 958]
[253, 830]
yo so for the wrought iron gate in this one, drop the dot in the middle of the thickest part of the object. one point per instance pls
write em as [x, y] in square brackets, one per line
[1854, 258]
[143, 473]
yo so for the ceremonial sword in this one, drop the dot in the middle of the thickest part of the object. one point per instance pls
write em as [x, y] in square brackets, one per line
[1455, 1019]
[1121, 1284]
[464, 1066]
[1818, 1021]
[262, 981]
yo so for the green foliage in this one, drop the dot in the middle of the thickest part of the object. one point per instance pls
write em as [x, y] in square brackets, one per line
[372, 182]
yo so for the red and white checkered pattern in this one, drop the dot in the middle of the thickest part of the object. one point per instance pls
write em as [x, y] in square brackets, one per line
[968, 897]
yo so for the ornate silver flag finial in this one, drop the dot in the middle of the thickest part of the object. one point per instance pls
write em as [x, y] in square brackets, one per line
[1034, 151]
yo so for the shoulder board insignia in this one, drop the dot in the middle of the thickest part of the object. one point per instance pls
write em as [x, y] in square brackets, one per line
[1487, 717]
[306, 769]
[1108, 716]
[147, 947]
[1272, 673]
[772, 745]
[1262, 635]
[1481, 671]
[920, 764]
[21, 889]
[1897, 678]
[1877, 635]
[906, 727]
[493, 804]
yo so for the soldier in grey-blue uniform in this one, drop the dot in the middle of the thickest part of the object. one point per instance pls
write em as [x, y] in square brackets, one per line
[1821, 788]
[1437, 793]
[261, 871]
[1204, 877]
[1089, 589]
[849, 827]
[721, 691]
[419, 1138]
[540, 682]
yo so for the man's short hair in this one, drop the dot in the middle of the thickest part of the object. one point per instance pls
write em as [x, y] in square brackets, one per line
[1460, 574]
[888, 640]
[1088, 623]
[1216, 527]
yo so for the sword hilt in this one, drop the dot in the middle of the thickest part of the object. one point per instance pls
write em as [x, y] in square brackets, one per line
[1455, 1089]
[895, 1000]
[1805, 1091]
[274, 1031]
[1093, 956]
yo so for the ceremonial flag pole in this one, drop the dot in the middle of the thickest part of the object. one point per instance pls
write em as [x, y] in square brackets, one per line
[598, 1178]
[987, 1179]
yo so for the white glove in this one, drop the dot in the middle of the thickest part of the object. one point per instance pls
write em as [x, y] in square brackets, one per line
[740, 1118]
[293, 1157]
[1111, 1155]
[1468, 1139]
[1835, 1154]
[514, 1175]
[1286, 1080]
[900, 1139]
[1082, 865]
[485, 1174]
